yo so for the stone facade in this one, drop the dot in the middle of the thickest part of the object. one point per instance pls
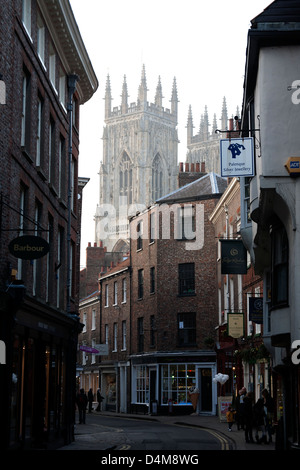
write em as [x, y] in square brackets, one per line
[204, 146]
[140, 146]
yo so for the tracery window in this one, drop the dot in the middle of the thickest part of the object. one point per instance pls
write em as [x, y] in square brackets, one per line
[157, 178]
[125, 175]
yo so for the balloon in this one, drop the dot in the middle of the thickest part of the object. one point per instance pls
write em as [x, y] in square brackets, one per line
[221, 378]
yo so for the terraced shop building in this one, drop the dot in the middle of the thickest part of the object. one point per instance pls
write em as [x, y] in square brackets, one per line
[47, 76]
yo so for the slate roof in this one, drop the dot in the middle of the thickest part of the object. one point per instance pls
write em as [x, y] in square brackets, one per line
[279, 11]
[205, 187]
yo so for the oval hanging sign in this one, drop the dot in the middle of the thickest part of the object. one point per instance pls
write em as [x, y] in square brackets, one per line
[28, 247]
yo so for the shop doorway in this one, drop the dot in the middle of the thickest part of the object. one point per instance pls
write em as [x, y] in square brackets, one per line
[205, 387]
[153, 397]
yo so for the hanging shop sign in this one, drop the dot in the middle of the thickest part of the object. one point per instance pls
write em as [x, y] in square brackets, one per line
[102, 349]
[237, 157]
[233, 257]
[98, 350]
[28, 247]
[235, 323]
[256, 309]
[88, 349]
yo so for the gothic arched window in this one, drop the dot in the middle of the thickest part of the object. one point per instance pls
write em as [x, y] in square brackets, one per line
[157, 178]
[125, 174]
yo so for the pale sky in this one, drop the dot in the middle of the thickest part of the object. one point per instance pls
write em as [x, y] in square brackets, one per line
[201, 43]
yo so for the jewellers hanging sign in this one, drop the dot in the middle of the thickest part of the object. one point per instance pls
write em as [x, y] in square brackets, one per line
[28, 247]
[233, 257]
[256, 309]
[237, 157]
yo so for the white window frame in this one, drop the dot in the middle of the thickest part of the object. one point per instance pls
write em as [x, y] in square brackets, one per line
[115, 337]
[26, 16]
[84, 318]
[115, 293]
[62, 89]
[106, 295]
[93, 319]
[39, 132]
[124, 335]
[52, 66]
[124, 290]
[41, 39]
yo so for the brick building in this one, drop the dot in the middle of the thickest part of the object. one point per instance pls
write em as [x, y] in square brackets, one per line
[115, 333]
[88, 339]
[42, 57]
[173, 298]
[169, 316]
[242, 357]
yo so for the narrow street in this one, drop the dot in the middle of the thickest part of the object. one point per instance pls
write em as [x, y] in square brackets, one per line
[103, 432]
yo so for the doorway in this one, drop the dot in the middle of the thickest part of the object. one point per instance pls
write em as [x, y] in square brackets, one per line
[205, 387]
[153, 397]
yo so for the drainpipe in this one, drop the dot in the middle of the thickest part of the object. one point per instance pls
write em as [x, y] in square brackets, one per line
[72, 79]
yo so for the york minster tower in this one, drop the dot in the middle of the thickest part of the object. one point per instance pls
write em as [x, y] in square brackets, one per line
[140, 152]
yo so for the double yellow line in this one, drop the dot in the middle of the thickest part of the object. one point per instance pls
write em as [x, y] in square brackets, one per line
[224, 442]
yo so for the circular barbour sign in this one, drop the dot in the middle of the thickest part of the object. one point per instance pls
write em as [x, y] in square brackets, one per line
[28, 247]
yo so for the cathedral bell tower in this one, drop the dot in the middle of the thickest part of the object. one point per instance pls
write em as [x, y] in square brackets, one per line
[140, 152]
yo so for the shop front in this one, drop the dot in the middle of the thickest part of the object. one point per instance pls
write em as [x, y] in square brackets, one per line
[174, 385]
[109, 388]
[41, 381]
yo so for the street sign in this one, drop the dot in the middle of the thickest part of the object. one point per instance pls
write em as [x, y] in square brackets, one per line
[237, 157]
[28, 247]
[98, 350]
[88, 349]
[102, 349]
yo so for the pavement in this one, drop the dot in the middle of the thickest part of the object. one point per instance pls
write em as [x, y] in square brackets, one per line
[88, 436]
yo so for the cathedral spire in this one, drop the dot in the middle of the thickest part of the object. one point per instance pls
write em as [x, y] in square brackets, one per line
[107, 98]
[174, 99]
[158, 95]
[190, 126]
[205, 124]
[224, 116]
[142, 98]
[124, 105]
[214, 126]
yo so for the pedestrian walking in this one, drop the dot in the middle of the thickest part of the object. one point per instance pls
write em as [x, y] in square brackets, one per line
[269, 407]
[248, 402]
[81, 401]
[259, 421]
[100, 398]
[240, 408]
[230, 417]
[90, 399]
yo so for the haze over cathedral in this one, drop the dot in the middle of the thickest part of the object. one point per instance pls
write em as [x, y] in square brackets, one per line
[140, 156]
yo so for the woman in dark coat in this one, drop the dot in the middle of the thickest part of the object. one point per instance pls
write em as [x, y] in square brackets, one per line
[248, 401]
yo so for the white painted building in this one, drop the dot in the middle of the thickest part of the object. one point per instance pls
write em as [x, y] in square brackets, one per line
[272, 235]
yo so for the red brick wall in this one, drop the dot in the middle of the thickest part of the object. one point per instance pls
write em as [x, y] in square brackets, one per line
[18, 167]
[166, 304]
[116, 313]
